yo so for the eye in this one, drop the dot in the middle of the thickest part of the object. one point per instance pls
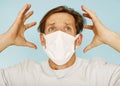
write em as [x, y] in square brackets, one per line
[51, 29]
[67, 29]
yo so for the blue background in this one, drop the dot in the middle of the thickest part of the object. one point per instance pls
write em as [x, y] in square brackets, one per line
[107, 10]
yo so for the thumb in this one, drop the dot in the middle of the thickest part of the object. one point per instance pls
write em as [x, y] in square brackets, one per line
[30, 44]
[88, 47]
[95, 42]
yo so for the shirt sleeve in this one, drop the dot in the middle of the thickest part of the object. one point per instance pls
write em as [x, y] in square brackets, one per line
[115, 78]
[9, 75]
[18, 75]
[2, 78]
[108, 74]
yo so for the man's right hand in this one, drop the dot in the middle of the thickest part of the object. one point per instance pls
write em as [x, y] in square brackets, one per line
[15, 35]
[102, 35]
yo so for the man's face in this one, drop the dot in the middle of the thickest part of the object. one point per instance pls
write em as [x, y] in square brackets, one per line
[60, 21]
[63, 22]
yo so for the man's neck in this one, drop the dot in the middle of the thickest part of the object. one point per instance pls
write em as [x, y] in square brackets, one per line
[58, 67]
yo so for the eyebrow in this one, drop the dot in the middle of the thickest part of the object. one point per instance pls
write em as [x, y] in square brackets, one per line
[67, 23]
[50, 24]
[54, 24]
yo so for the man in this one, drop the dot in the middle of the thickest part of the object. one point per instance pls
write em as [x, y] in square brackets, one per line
[60, 36]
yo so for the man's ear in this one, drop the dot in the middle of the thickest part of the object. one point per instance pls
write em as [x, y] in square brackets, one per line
[42, 39]
[79, 40]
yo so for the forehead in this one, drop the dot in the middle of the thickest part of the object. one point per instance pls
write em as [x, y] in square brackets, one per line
[60, 17]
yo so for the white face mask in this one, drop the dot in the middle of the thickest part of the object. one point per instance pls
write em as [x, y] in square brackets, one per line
[60, 46]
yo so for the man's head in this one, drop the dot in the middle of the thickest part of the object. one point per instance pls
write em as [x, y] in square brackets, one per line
[64, 19]
[59, 29]
[78, 19]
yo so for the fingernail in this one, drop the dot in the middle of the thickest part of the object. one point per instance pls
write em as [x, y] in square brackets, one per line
[84, 51]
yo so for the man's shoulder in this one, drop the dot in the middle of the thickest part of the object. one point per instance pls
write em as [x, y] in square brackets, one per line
[97, 64]
[25, 65]
[102, 63]
[99, 69]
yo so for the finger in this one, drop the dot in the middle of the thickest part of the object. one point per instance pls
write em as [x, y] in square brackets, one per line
[88, 47]
[30, 25]
[28, 15]
[30, 44]
[90, 27]
[95, 42]
[90, 13]
[86, 10]
[86, 15]
[24, 10]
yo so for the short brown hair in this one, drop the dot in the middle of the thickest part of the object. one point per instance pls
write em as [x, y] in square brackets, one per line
[79, 21]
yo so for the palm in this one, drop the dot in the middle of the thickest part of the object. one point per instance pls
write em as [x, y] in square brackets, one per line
[98, 28]
[18, 28]
[18, 35]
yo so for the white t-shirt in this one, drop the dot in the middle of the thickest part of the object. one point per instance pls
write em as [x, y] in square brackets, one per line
[81, 73]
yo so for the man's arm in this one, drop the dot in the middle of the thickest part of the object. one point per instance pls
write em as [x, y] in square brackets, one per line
[102, 35]
[15, 35]
[114, 41]
[115, 78]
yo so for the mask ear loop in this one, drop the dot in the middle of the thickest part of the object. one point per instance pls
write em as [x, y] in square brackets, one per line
[44, 38]
[76, 38]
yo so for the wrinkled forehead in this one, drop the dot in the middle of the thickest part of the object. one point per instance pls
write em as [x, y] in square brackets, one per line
[59, 18]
